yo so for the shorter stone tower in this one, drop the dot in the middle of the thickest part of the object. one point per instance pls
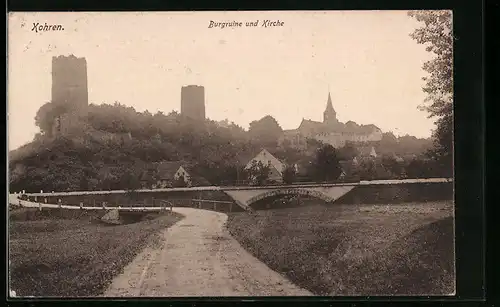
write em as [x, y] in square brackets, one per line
[193, 102]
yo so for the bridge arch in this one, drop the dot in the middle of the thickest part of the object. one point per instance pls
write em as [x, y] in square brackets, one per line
[291, 191]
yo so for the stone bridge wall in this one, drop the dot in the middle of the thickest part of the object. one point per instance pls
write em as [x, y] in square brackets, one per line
[135, 198]
[398, 193]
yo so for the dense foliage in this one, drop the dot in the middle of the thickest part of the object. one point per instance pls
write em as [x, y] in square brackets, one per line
[112, 146]
[436, 33]
[258, 172]
[113, 149]
[326, 164]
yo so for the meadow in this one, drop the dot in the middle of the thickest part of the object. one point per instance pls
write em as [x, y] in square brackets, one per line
[356, 250]
[72, 253]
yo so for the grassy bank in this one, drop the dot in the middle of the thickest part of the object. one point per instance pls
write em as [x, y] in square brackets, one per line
[72, 253]
[404, 249]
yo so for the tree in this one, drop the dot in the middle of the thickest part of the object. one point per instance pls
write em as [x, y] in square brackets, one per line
[289, 174]
[367, 170]
[437, 34]
[180, 182]
[419, 168]
[390, 163]
[265, 130]
[326, 165]
[348, 151]
[258, 173]
[46, 115]
[129, 181]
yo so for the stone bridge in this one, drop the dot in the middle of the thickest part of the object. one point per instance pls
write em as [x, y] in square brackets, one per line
[248, 195]
[245, 197]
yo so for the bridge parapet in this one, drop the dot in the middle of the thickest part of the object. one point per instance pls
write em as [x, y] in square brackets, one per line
[329, 193]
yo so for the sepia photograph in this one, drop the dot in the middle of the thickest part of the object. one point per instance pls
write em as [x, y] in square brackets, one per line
[230, 154]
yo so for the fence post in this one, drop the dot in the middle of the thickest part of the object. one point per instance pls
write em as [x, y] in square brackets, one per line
[59, 202]
[230, 207]
[40, 206]
[215, 206]
[81, 205]
[153, 201]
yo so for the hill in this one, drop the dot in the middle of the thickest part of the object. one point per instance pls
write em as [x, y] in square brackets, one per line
[110, 146]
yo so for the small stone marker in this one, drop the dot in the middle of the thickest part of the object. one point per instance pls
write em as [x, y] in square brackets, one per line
[112, 217]
[45, 200]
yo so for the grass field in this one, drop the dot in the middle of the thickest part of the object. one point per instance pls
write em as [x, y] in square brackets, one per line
[71, 253]
[404, 249]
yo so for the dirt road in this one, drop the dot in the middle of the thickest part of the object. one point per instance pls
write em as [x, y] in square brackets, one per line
[198, 257]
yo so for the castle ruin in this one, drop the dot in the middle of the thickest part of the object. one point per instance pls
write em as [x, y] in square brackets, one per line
[69, 91]
[193, 102]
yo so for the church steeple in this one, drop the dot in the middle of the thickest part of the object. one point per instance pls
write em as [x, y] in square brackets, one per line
[329, 116]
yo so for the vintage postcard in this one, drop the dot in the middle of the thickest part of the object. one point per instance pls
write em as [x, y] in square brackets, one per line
[231, 154]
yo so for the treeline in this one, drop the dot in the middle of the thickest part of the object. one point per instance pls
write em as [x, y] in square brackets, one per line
[113, 144]
[330, 165]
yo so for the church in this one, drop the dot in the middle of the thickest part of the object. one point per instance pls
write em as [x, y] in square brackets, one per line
[330, 131]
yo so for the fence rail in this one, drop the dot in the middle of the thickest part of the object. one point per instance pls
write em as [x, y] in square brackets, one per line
[216, 205]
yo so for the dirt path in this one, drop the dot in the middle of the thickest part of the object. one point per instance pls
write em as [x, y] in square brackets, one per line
[199, 258]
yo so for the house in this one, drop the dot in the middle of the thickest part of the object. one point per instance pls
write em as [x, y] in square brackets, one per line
[170, 174]
[276, 166]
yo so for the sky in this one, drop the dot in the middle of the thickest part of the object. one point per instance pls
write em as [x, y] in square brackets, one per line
[365, 59]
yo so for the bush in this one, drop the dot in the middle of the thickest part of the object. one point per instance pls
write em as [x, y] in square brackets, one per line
[289, 175]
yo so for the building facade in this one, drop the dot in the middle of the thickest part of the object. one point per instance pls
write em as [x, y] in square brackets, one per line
[330, 131]
[193, 102]
[276, 167]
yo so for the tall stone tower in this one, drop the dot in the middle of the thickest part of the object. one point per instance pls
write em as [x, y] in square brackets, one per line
[69, 82]
[329, 116]
[69, 90]
[193, 102]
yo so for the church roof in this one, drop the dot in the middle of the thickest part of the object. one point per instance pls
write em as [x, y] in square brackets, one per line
[311, 125]
[329, 105]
